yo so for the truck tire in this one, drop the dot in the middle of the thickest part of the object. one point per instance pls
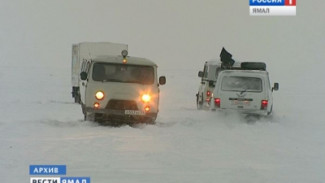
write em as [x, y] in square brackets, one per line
[149, 119]
[83, 109]
[76, 94]
[77, 99]
[199, 104]
[152, 120]
[89, 116]
[253, 65]
[94, 117]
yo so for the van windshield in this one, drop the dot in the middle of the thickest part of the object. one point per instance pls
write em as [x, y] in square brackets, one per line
[107, 72]
[242, 84]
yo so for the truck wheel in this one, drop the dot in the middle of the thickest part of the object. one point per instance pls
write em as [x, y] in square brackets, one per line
[150, 120]
[89, 116]
[77, 99]
[76, 94]
[83, 109]
[199, 104]
[94, 117]
[153, 120]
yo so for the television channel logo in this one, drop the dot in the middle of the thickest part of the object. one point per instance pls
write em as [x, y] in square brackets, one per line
[272, 7]
[52, 173]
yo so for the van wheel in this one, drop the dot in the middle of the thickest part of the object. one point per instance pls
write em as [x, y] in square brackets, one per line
[199, 104]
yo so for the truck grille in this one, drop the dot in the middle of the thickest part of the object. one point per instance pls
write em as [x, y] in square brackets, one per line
[122, 105]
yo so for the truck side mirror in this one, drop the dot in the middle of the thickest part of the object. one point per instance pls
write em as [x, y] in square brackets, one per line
[200, 74]
[162, 80]
[275, 87]
[83, 76]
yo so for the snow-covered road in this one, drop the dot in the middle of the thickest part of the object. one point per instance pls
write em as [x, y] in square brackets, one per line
[41, 125]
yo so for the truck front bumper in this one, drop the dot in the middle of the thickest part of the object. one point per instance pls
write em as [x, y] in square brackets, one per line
[108, 112]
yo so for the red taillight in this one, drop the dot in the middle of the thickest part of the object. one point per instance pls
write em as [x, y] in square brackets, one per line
[217, 102]
[264, 104]
[208, 93]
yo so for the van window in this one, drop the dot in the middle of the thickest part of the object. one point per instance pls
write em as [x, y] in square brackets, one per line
[107, 72]
[239, 83]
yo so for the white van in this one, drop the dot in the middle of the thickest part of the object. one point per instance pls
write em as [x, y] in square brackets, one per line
[244, 90]
[208, 77]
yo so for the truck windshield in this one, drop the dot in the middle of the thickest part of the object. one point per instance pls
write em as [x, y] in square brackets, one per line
[241, 84]
[106, 72]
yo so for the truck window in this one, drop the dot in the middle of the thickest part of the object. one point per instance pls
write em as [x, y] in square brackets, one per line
[239, 83]
[108, 72]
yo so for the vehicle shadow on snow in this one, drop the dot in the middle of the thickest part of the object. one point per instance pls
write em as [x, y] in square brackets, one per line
[252, 119]
[245, 118]
[118, 123]
[62, 123]
[80, 123]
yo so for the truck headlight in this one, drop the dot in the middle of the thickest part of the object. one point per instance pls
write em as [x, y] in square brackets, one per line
[99, 95]
[146, 97]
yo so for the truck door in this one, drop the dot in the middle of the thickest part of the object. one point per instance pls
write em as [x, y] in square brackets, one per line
[85, 66]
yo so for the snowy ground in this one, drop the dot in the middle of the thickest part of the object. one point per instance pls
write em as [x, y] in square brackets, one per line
[41, 125]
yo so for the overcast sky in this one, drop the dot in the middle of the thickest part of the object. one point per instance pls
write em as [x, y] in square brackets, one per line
[179, 34]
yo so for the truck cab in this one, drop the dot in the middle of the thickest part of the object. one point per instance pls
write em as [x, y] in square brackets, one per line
[120, 88]
[112, 86]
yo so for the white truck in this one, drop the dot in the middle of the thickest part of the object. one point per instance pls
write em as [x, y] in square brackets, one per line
[113, 86]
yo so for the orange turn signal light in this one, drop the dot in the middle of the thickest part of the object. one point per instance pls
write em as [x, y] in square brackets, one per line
[147, 108]
[96, 105]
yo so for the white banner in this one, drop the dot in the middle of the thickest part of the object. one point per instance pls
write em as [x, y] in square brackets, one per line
[272, 10]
